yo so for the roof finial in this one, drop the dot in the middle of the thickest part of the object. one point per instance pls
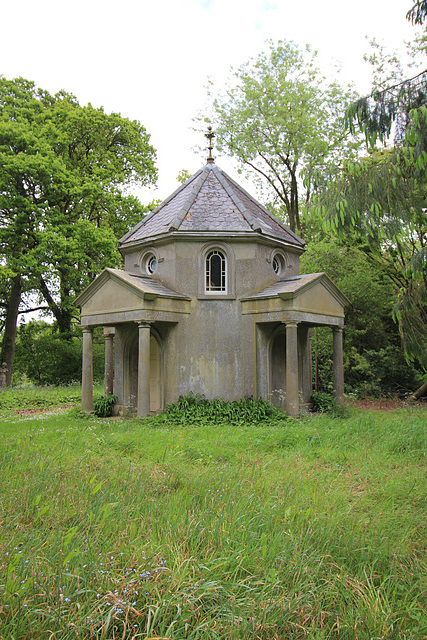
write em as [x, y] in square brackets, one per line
[210, 136]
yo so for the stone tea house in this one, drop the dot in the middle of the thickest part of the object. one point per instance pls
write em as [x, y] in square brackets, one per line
[210, 301]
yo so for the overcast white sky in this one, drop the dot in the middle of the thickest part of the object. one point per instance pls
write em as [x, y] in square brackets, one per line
[150, 59]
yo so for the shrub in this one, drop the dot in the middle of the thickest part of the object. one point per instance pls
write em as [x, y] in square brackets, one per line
[46, 358]
[322, 401]
[103, 406]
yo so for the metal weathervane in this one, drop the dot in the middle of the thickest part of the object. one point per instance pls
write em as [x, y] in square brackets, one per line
[210, 136]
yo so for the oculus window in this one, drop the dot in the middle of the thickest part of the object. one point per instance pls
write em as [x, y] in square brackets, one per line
[278, 263]
[149, 262]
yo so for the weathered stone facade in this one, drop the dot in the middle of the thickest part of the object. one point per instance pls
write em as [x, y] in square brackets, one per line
[211, 302]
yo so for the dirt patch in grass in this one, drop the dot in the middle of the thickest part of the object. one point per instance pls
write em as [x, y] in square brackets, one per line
[28, 412]
[384, 404]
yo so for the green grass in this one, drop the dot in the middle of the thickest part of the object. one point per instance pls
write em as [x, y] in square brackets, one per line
[119, 528]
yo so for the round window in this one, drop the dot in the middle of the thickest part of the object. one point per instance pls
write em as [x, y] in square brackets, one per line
[278, 263]
[151, 264]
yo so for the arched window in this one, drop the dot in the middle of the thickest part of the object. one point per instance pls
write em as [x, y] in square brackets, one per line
[215, 272]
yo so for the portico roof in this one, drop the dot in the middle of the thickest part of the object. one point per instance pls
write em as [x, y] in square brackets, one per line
[311, 298]
[143, 286]
[116, 297]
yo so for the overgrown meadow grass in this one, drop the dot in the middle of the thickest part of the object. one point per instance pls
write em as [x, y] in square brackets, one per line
[125, 528]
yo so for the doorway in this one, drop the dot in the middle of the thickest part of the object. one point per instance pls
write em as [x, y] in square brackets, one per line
[277, 386]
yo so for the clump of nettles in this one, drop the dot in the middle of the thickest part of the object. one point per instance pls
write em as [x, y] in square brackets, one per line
[103, 406]
[196, 408]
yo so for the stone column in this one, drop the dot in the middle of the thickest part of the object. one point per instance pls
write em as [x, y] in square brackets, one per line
[292, 376]
[143, 369]
[108, 368]
[338, 367]
[87, 370]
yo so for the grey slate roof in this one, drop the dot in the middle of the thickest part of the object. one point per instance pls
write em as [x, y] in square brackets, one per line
[144, 284]
[141, 284]
[294, 285]
[210, 201]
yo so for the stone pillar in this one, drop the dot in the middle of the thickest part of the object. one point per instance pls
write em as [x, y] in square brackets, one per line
[338, 367]
[143, 369]
[292, 376]
[108, 368]
[87, 370]
[306, 377]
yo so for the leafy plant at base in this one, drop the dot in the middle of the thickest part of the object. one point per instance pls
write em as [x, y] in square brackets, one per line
[196, 408]
[103, 406]
[321, 401]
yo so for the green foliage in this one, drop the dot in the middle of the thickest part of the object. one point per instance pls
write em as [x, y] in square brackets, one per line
[44, 357]
[322, 401]
[380, 200]
[104, 405]
[197, 409]
[280, 118]
[373, 357]
[418, 12]
[378, 205]
[64, 170]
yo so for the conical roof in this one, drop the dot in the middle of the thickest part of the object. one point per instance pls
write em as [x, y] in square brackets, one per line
[210, 201]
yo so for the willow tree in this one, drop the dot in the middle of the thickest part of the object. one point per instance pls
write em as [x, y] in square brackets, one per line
[381, 200]
[283, 122]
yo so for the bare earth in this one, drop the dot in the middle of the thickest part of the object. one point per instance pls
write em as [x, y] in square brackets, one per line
[384, 404]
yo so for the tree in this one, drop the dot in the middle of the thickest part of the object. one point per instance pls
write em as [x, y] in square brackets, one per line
[64, 170]
[281, 119]
[44, 358]
[373, 357]
[381, 200]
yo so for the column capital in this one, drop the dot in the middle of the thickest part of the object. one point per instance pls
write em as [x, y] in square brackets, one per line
[87, 329]
[109, 332]
[143, 324]
[337, 329]
[291, 323]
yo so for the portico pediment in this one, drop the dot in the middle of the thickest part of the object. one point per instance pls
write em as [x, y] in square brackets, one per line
[313, 294]
[115, 293]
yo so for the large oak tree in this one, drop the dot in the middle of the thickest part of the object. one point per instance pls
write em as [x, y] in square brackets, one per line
[64, 171]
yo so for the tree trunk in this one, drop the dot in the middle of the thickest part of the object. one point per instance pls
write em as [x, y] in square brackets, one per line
[419, 393]
[62, 315]
[9, 338]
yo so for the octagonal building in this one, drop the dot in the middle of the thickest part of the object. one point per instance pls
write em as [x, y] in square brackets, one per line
[210, 301]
